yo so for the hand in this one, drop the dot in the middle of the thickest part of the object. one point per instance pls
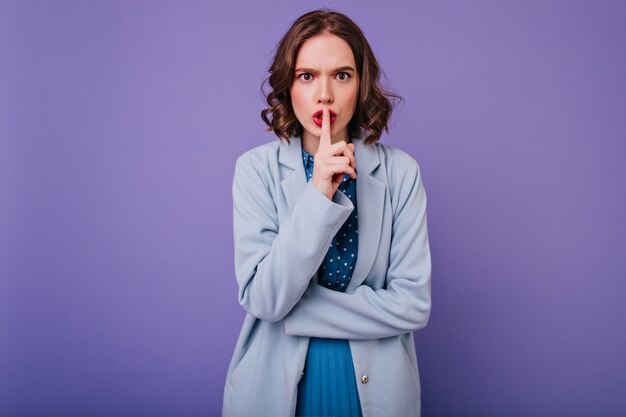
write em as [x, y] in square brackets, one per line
[332, 161]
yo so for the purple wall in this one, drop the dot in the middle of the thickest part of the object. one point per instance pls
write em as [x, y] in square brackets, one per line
[120, 122]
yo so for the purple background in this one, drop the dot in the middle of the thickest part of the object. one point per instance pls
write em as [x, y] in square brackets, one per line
[120, 122]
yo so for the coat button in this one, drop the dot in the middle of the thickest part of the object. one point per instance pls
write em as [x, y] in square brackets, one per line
[364, 379]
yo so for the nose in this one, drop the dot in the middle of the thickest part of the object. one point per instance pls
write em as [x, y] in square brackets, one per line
[325, 93]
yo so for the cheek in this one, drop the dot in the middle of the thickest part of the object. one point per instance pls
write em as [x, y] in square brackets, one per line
[351, 98]
[355, 94]
[297, 100]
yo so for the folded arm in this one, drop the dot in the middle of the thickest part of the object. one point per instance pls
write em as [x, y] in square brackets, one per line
[366, 313]
[274, 267]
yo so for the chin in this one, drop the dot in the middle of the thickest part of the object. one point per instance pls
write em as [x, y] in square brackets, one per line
[316, 131]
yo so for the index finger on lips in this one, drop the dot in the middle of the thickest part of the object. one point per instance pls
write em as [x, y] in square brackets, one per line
[325, 140]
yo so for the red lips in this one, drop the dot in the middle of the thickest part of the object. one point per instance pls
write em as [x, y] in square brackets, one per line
[317, 117]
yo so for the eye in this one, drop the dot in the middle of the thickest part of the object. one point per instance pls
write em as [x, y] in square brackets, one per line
[305, 76]
[343, 76]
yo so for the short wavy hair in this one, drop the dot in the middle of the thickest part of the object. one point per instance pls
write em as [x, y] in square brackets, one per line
[374, 103]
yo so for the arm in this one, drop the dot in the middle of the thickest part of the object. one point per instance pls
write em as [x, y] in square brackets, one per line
[273, 267]
[403, 306]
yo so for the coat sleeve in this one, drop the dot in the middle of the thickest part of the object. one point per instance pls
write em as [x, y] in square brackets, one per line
[402, 306]
[274, 265]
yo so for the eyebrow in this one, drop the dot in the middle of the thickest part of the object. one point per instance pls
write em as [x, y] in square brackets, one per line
[344, 68]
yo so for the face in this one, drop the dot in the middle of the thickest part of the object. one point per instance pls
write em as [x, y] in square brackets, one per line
[325, 75]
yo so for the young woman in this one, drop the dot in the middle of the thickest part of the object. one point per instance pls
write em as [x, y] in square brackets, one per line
[331, 245]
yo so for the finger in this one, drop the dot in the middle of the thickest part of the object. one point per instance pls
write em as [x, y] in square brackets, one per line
[349, 152]
[325, 140]
[343, 148]
[338, 148]
[339, 165]
[347, 169]
[350, 171]
[339, 159]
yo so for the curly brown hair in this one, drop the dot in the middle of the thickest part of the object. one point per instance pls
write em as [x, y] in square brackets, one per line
[374, 103]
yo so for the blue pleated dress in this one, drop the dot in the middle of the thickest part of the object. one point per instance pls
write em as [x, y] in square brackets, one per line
[328, 387]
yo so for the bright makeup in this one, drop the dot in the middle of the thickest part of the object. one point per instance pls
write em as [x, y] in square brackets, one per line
[317, 117]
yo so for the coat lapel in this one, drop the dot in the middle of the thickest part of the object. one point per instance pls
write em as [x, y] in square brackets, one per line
[370, 195]
[290, 155]
[370, 198]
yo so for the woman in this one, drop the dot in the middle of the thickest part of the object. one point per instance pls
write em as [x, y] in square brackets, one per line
[333, 289]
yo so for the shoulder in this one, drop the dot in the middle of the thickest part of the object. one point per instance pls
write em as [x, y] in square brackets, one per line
[260, 157]
[402, 174]
[257, 170]
[398, 163]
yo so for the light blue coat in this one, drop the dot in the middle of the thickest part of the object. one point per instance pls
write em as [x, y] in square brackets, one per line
[283, 227]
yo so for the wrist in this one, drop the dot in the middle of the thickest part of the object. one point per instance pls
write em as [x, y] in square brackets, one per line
[325, 190]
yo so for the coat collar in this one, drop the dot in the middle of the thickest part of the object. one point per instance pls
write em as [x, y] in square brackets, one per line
[370, 198]
[290, 155]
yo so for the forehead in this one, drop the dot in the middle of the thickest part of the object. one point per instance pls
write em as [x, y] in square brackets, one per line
[325, 50]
